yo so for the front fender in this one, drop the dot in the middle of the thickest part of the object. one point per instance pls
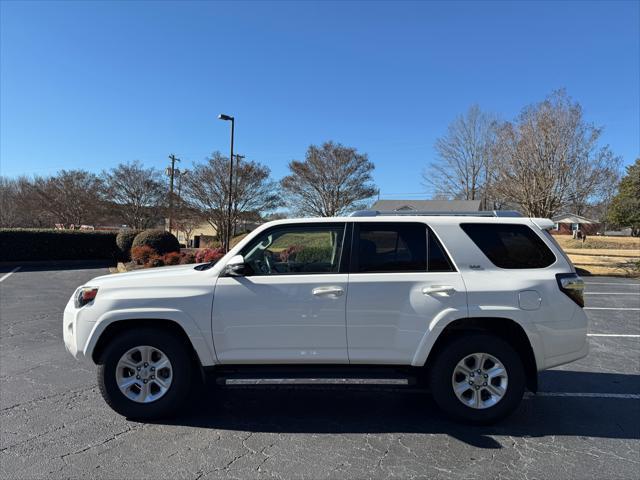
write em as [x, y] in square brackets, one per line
[198, 340]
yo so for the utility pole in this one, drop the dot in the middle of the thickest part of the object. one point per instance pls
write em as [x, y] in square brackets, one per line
[171, 171]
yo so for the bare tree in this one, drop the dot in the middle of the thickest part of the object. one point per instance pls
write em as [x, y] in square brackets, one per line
[549, 158]
[206, 188]
[137, 192]
[20, 205]
[71, 197]
[187, 220]
[9, 209]
[330, 181]
[464, 158]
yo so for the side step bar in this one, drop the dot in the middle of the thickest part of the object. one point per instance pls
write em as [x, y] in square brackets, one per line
[238, 375]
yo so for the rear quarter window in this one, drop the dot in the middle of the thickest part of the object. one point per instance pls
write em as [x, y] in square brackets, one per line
[510, 246]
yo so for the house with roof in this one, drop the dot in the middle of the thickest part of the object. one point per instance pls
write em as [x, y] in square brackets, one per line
[568, 223]
[441, 206]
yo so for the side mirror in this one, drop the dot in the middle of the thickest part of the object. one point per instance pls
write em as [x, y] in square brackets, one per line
[235, 267]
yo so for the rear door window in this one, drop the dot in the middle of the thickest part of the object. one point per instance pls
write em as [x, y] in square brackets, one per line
[398, 247]
[391, 247]
[438, 259]
[510, 246]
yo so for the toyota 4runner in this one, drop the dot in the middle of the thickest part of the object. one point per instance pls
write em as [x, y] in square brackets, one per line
[471, 306]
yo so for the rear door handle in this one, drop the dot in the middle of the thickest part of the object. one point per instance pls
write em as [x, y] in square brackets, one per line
[336, 291]
[444, 289]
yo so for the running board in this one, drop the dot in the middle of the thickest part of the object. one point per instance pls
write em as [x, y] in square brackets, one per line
[271, 375]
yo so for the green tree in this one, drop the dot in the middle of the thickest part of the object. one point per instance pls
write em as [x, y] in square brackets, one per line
[625, 207]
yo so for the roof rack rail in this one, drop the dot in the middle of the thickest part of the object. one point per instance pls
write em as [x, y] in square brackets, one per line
[481, 213]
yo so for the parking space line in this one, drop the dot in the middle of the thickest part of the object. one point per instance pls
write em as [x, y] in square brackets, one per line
[611, 293]
[628, 335]
[7, 275]
[630, 396]
[612, 283]
[612, 308]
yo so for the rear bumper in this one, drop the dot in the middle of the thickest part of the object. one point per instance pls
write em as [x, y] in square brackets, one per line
[564, 340]
[551, 362]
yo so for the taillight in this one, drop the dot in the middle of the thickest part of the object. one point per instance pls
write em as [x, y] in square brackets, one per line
[572, 286]
[85, 295]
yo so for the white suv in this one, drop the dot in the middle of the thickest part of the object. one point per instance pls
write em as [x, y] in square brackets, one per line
[470, 306]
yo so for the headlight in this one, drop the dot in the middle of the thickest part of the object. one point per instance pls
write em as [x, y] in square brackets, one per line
[85, 295]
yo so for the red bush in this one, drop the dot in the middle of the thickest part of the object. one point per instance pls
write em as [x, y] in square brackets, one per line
[187, 258]
[209, 255]
[172, 258]
[141, 255]
[290, 253]
[154, 261]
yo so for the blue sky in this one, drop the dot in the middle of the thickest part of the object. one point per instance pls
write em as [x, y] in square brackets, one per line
[91, 84]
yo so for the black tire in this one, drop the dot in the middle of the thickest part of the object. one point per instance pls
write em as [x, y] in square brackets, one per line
[178, 352]
[442, 370]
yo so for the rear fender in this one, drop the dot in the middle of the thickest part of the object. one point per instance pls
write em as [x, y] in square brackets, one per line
[446, 317]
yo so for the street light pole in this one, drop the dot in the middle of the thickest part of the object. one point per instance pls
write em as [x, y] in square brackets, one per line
[222, 116]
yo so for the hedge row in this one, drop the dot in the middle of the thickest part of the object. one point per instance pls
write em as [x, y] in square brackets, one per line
[19, 244]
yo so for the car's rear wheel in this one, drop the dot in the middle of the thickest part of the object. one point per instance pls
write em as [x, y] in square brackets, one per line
[145, 373]
[477, 378]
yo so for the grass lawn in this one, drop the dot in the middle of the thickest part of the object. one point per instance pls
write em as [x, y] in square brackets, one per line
[600, 255]
[599, 242]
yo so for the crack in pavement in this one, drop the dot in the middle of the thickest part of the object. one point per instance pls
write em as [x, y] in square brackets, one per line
[90, 447]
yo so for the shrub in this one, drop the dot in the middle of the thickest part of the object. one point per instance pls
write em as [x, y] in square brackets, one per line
[154, 261]
[162, 242]
[213, 255]
[124, 240]
[187, 258]
[142, 255]
[23, 244]
[172, 258]
[209, 255]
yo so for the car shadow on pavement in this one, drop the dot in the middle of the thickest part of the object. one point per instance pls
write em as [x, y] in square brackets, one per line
[364, 409]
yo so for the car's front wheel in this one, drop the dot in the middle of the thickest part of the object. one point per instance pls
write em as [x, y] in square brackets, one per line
[145, 373]
[477, 378]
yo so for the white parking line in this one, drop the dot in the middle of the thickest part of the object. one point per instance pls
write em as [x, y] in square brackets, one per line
[627, 335]
[611, 293]
[7, 275]
[611, 308]
[611, 283]
[631, 396]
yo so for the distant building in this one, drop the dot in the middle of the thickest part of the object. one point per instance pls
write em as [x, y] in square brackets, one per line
[202, 234]
[427, 205]
[568, 223]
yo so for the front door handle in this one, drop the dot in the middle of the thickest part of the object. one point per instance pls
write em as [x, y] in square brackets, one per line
[442, 289]
[335, 291]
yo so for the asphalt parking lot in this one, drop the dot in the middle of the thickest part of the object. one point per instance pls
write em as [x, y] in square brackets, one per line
[585, 422]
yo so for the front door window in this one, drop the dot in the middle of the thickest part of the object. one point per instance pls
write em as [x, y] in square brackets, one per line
[296, 250]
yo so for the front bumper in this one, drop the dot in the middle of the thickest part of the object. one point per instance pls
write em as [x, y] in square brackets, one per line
[75, 330]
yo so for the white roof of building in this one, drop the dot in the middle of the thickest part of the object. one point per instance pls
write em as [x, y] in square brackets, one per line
[571, 218]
